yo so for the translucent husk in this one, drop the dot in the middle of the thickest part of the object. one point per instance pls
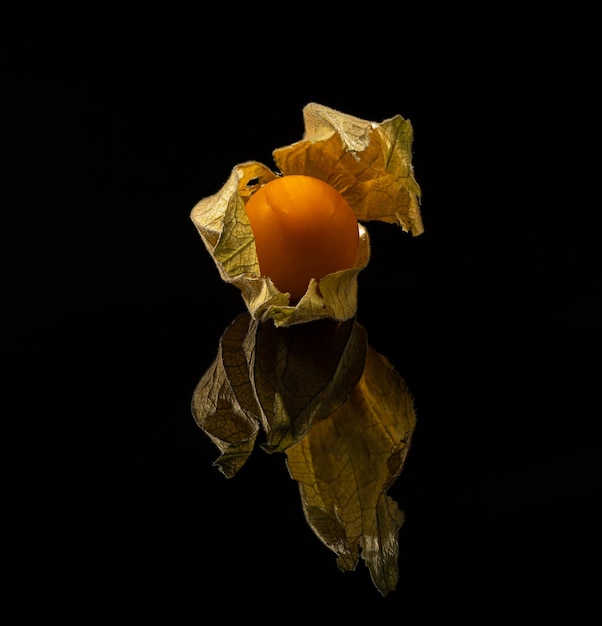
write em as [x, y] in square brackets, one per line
[368, 163]
[340, 412]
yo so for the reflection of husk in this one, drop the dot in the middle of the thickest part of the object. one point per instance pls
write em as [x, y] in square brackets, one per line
[338, 409]
[276, 379]
[346, 464]
[368, 163]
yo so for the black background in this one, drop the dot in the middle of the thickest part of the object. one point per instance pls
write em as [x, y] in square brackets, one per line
[117, 121]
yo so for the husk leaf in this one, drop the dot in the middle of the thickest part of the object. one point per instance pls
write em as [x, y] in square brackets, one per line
[370, 164]
[345, 465]
[277, 379]
[224, 227]
[224, 403]
[304, 373]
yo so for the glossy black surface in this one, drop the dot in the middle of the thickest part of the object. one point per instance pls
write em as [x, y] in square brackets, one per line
[118, 123]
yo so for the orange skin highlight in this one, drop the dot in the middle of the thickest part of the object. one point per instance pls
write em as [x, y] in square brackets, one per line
[303, 229]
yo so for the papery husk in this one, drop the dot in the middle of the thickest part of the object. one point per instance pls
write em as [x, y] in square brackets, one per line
[347, 463]
[226, 231]
[367, 162]
[275, 380]
[224, 402]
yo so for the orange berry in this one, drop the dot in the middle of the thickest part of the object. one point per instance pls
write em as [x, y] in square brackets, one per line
[303, 229]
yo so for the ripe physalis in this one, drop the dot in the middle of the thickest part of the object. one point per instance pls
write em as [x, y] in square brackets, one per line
[296, 370]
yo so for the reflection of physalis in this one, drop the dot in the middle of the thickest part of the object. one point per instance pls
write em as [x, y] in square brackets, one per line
[319, 393]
